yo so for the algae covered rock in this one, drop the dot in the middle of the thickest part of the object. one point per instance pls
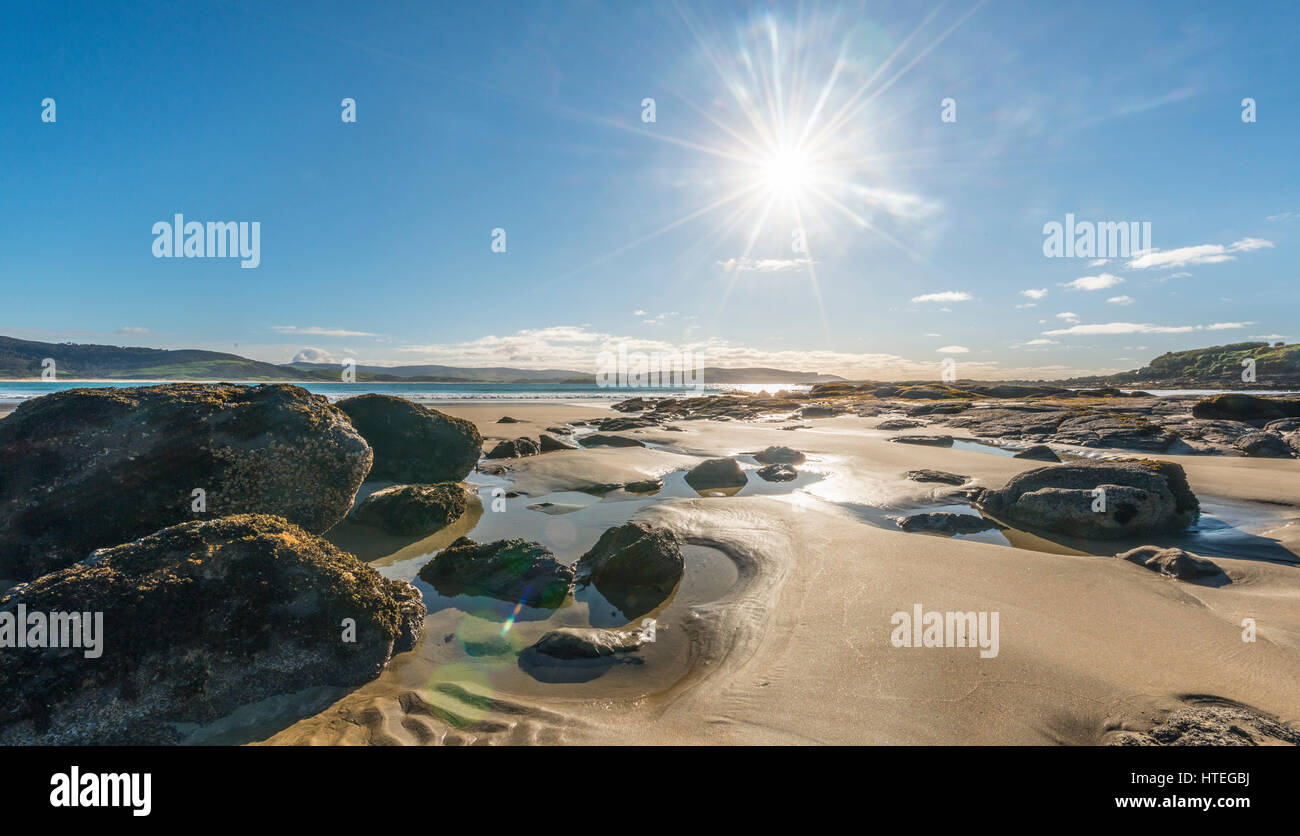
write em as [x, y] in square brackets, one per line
[634, 565]
[200, 619]
[410, 510]
[412, 442]
[89, 468]
[516, 570]
[1098, 500]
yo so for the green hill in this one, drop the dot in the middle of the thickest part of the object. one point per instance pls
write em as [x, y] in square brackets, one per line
[23, 358]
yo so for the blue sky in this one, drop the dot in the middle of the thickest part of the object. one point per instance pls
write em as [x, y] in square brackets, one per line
[669, 235]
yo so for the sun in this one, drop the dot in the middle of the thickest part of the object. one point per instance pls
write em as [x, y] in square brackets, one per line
[787, 172]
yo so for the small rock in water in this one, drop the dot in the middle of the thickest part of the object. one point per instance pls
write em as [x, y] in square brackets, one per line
[1039, 452]
[778, 473]
[577, 643]
[602, 440]
[1173, 562]
[929, 440]
[644, 486]
[940, 476]
[510, 570]
[506, 419]
[780, 455]
[634, 565]
[946, 522]
[716, 473]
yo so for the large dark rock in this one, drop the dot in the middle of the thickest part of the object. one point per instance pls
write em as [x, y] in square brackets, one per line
[1263, 444]
[635, 566]
[1173, 562]
[515, 448]
[716, 473]
[410, 510]
[412, 442]
[1139, 497]
[780, 455]
[89, 468]
[1234, 406]
[198, 620]
[509, 570]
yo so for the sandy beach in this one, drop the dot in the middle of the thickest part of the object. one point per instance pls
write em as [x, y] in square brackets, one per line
[781, 629]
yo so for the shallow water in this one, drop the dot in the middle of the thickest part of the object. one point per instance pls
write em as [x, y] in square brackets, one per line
[480, 640]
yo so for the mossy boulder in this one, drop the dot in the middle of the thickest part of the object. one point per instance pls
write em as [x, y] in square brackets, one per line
[413, 510]
[1098, 500]
[413, 443]
[198, 620]
[89, 468]
[516, 570]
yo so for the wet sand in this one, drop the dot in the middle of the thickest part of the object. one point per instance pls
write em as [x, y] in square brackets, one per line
[780, 632]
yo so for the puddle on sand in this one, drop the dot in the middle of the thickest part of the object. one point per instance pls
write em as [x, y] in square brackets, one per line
[480, 640]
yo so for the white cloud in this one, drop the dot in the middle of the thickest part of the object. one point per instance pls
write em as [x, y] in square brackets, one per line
[945, 296]
[1034, 294]
[317, 331]
[638, 313]
[1120, 300]
[132, 330]
[1200, 254]
[953, 349]
[764, 265]
[1098, 262]
[1099, 282]
[1068, 316]
[1041, 341]
[1141, 328]
[313, 355]
[571, 347]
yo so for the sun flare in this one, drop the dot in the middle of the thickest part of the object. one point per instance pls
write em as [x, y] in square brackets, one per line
[787, 172]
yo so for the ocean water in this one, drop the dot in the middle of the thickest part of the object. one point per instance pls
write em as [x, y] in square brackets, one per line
[17, 391]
